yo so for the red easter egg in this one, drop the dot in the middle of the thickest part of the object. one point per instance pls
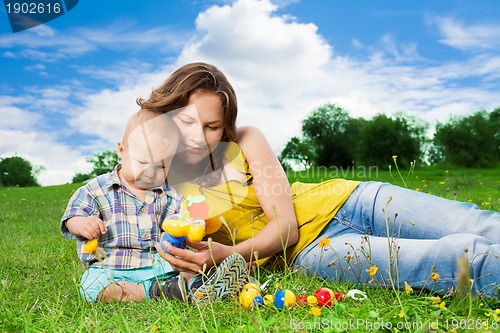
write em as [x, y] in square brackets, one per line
[338, 297]
[301, 300]
[324, 296]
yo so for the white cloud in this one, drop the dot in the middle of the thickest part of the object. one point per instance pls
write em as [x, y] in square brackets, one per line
[47, 44]
[271, 60]
[105, 113]
[43, 149]
[476, 37]
[16, 118]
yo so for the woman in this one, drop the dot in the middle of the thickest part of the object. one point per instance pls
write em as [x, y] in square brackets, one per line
[364, 232]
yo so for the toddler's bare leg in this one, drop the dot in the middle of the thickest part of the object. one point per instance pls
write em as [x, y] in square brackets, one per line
[122, 291]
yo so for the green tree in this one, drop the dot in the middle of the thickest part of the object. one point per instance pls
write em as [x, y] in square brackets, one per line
[102, 162]
[472, 141]
[299, 151]
[81, 177]
[16, 171]
[383, 137]
[326, 131]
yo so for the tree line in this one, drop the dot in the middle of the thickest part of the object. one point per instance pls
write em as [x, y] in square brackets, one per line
[332, 138]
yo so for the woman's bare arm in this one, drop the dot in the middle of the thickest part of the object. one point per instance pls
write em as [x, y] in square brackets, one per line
[273, 191]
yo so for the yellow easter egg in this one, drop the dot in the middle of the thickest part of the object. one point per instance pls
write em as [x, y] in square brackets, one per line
[268, 299]
[248, 293]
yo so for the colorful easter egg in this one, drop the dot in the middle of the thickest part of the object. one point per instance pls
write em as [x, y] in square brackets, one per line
[268, 299]
[301, 300]
[284, 298]
[248, 294]
[325, 297]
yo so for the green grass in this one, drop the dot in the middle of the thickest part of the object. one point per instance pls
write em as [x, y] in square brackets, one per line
[39, 276]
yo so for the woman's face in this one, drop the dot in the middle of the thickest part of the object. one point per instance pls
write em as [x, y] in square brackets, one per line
[201, 125]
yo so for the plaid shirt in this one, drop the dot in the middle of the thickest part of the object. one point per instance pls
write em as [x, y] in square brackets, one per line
[133, 225]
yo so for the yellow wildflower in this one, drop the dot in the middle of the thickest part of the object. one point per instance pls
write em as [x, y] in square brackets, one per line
[470, 200]
[418, 189]
[315, 311]
[90, 246]
[408, 288]
[394, 157]
[442, 305]
[325, 241]
[442, 183]
[433, 325]
[401, 314]
[155, 328]
[435, 276]
[436, 299]
[373, 270]
[495, 314]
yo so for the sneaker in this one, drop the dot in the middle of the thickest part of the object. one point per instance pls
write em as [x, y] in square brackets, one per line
[173, 288]
[226, 279]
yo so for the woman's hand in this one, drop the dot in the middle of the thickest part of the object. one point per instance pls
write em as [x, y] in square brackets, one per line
[200, 260]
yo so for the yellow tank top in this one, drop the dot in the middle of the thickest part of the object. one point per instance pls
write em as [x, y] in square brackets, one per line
[238, 205]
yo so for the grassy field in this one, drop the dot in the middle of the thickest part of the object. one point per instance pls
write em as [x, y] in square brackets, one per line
[40, 273]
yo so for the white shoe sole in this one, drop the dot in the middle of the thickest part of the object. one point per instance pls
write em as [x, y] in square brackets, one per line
[230, 276]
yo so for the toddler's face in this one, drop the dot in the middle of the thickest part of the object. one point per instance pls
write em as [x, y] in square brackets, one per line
[147, 158]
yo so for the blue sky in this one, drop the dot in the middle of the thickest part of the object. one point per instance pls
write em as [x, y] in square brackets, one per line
[68, 86]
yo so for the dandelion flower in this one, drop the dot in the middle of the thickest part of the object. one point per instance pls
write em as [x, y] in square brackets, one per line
[155, 328]
[90, 246]
[325, 241]
[408, 288]
[394, 157]
[315, 311]
[436, 299]
[495, 314]
[442, 305]
[442, 183]
[373, 270]
[401, 314]
[435, 276]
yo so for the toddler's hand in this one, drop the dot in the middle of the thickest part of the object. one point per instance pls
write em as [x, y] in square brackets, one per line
[90, 227]
[93, 227]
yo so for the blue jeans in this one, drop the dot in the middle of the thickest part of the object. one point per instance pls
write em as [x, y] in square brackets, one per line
[408, 235]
